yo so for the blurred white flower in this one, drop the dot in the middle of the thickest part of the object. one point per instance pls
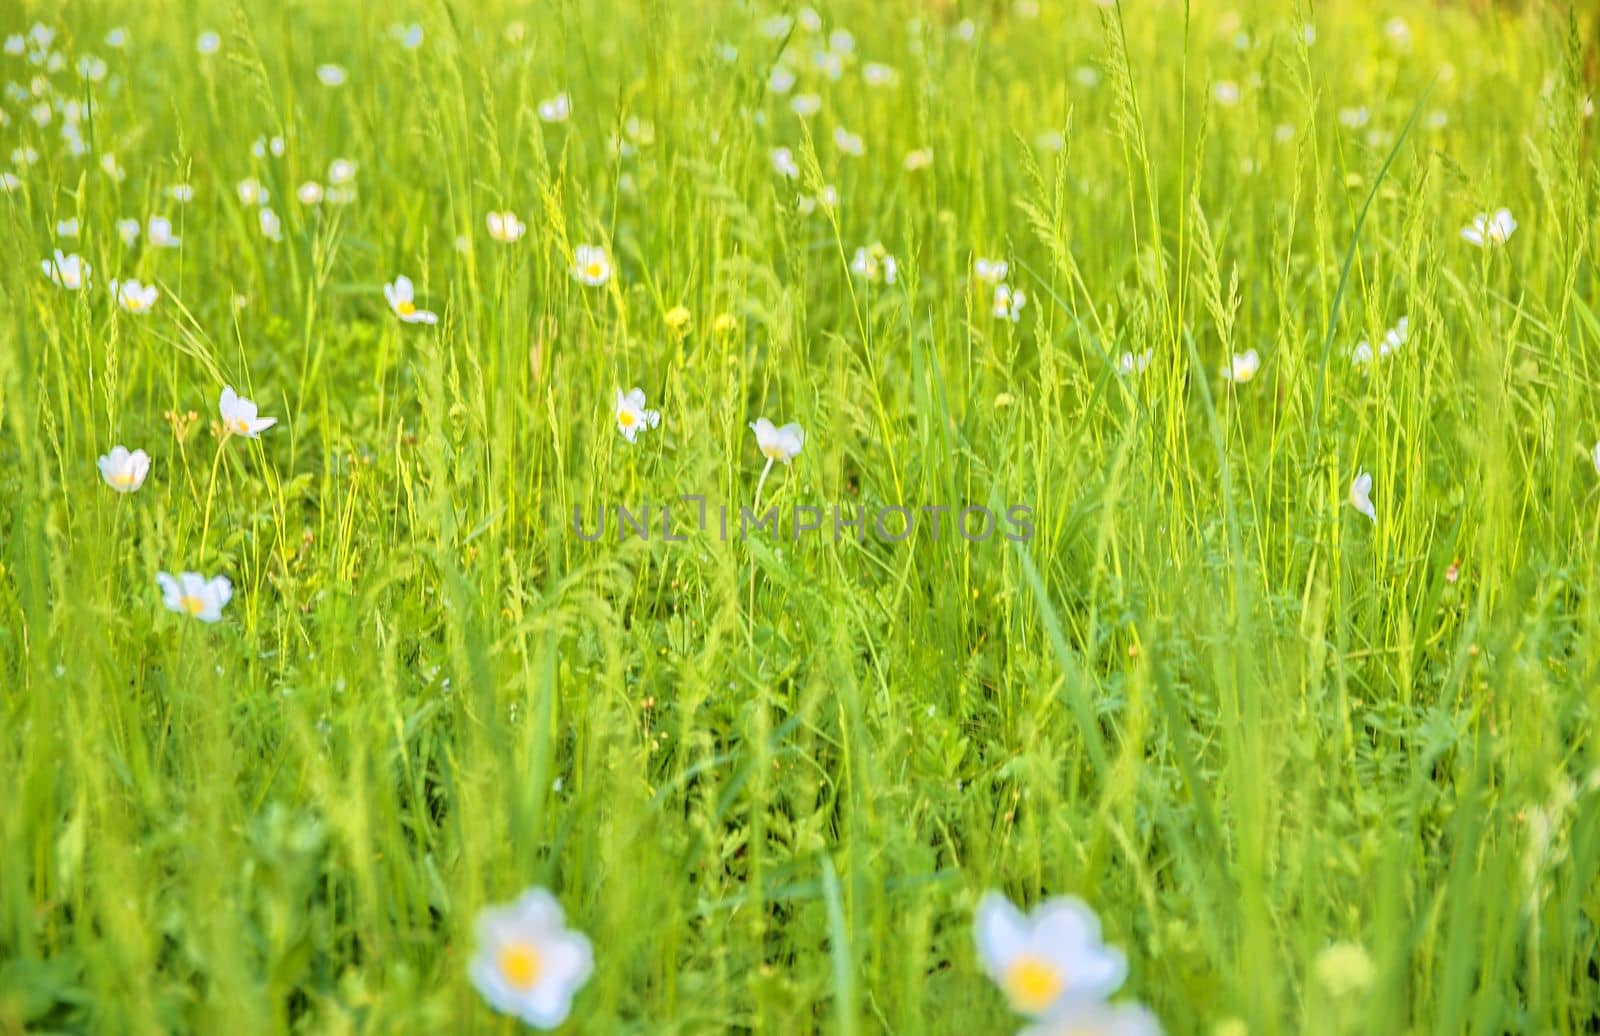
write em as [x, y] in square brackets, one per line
[10, 182]
[1226, 92]
[556, 109]
[133, 296]
[990, 271]
[190, 593]
[632, 415]
[408, 36]
[805, 105]
[239, 415]
[92, 68]
[1051, 962]
[341, 172]
[1487, 231]
[181, 193]
[161, 235]
[874, 263]
[848, 143]
[527, 963]
[1398, 31]
[67, 271]
[124, 471]
[251, 192]
[776, 27]
[921, 158]
[591, 265]
[1134, 363]
[505, 227]
[402, 299]
[1098, 1020]
[263, 145]
[67, 227]
[840, 41]
[208, 42]
[1597, 457]
[778, 444]
[1242, 367]
[1361, 495]
[1395, 337]
[117, 38]
[331, 75]
[271, 226]
[876, 74]
[784, 164]
[781, 79]
[128, 230]
[1354, 118]
[309, 193]
[1008, 302]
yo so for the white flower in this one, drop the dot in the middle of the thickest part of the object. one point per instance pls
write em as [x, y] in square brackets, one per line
[1354, 118]
[809, 19]
[990, 271]
[1395, 337]
[632, 415]
[1242, 367]
[556, 109]
[341, 171]
[1008, 302]
[1051, 962]
[251, 192]
[874, 263]
[780, 444]
[784, 164]
[1098, 1020]
[1226, 91]
[781, 79]
[128, 230]
[875, 74]
[402, 300]
[1398, 31]
[92, 68]
[408, 36]
[133, 296]
[776, 27]
[1361, 355]
[527, 962]
[67, 271]
[1597, 457]
[840, 41]
[1487, 231]
[805, 105]
[1134, 363]
[847, 142]
[24, 155]
[505, 227]
[331, 75]
[1361, 495]
[309, 193]
[181, 193]
[1087, 76]
[591, 265]
[161, 234]
[271, 226]
[190, 593]
[263, 145]
[15, 44]
[124, 471]
[239, 415]
[208, 42]
[10, 182]
[117, 38]
[67, 227]
[921, 158]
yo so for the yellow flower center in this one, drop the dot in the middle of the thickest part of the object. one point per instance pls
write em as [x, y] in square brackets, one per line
[191, 604]
[122, 478]
[1032, 984]
[405, 307]
[775, 451]
[519, 965]
[594, 271]
[626, 418]
[133, 302]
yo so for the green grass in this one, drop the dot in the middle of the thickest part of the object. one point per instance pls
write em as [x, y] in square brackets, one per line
[770, 778]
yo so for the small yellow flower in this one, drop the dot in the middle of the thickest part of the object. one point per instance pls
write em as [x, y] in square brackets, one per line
[725, 324]
[1344, 969]
[678, 319]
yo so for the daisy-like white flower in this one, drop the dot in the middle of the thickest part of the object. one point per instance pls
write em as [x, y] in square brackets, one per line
[591, 265]
[190, 593]
[527, 962]
[161, 235]
[1050, 963]
[778, 444]
[1361, 495]
[128, 230]
[67, 271]
[990, 271]
[781, 79]
[208, 42]
[1099, 1020]
[408, 36]
[632, 415]
[239, 415]
[1134, 363]
[341, 172]
[251, 192]
[402, 299]
[309, 193]
[874, 263]
[875, 74]
[1242, 367]
[1361, 355]
[124, 471]
[133, 296]
[1487, 231]
[67, 227]
[1226, 92]
[556, 109]
[783, 163]
[331, 75]
[1395, 337]
[921, 158]
[505, 227]
[271, 226]
[1008, 302]
[805, 105]
[849, 143]
[10, 182]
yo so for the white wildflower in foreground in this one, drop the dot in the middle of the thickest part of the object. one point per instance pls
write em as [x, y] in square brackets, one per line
[1008, 302]
[190, 593]
[1361, 495]
[239, 415]
[402, 299]
[632, 415]
[67, 271]
[778, 444]
[161, 235]
[1050, 964]
[331, 75]
[990, 271]
[309, 193]
[591, 265]
[1242, 367]
[1134, 363]
[124, 471]
[556, 109]
[1487, 231]
[133, 296]
[527, 962]
[505, 227]
[1597, 458]
[1099, 1020]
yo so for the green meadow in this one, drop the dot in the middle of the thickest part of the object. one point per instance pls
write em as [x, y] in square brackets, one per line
[1279, 648]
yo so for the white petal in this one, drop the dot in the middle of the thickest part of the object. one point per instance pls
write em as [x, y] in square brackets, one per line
[1000, 930]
